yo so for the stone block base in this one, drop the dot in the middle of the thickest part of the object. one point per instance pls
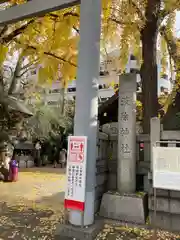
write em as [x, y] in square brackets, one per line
[132, 208]
[68, 231]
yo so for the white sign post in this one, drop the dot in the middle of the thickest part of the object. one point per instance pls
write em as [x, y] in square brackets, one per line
[85, 123]
[76, 173]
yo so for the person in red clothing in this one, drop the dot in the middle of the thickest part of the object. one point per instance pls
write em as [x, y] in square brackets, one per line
[13, 170]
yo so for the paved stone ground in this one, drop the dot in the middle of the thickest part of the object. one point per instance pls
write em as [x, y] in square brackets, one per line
[32, 207]
[117, 232]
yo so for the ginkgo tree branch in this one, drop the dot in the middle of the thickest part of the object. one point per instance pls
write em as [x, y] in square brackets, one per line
[138, 10]
[165, 12]
[56, 57]
[3, 30]
[171, 42]
[56, 16]
[71, 13]
[120, 22]
[172, 46]
[16, 32]
[29, 64]
[25, 71]
[76, 29]
[50, 54]
[14, 79]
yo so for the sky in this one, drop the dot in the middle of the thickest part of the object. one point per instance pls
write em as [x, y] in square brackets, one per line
[178, 24]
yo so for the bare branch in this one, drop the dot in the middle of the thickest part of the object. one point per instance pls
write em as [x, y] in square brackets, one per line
[25, 71]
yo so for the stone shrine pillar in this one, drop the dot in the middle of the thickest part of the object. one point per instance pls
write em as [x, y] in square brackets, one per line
[127, 207]
[86, 111]
[126, 170]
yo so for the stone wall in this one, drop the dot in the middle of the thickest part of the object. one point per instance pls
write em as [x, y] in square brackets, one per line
[112, 163]
[142, 158]
[168, 209]
[168, 202]
[101, 167]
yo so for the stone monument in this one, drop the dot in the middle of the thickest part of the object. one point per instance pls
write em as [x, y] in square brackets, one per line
[125, 204]
[126, 175]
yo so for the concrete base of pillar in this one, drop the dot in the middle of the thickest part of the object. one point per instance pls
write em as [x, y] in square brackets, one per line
[132, 208]
[69, 232]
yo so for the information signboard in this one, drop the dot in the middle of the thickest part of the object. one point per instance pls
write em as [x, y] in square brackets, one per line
[76, 173]
[166, 168]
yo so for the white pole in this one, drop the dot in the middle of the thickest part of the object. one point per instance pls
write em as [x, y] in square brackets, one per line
[86, 112]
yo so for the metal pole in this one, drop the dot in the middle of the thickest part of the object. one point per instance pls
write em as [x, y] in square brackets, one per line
[155, 215]
[86, 111]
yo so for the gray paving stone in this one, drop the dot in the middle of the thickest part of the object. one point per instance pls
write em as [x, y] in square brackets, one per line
[68, 232]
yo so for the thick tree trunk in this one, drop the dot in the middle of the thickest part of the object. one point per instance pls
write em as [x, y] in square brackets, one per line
[149, 67]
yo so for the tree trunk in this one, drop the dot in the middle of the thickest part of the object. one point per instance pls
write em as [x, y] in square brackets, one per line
[172, 107]
[63, 101]
[149, 67]
[14, 80]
